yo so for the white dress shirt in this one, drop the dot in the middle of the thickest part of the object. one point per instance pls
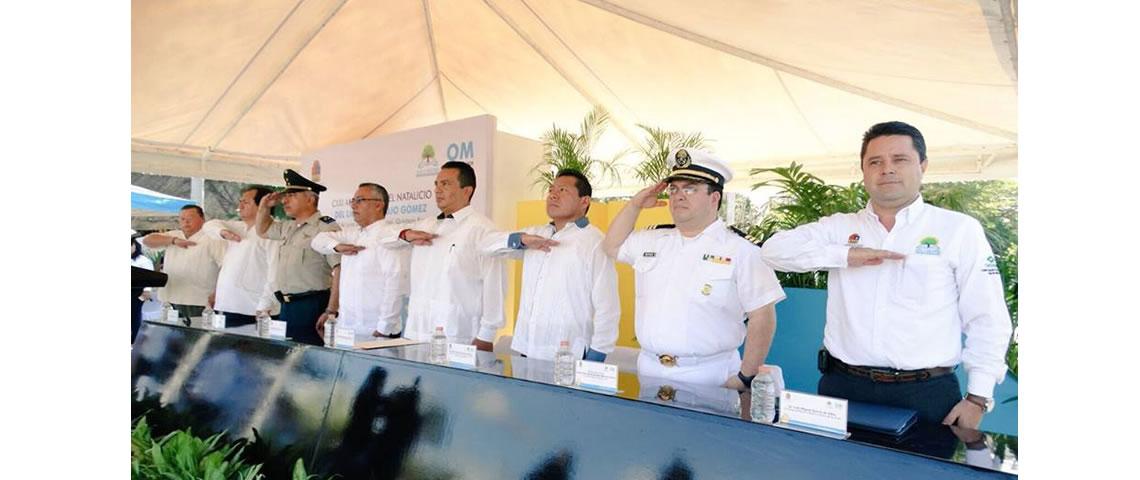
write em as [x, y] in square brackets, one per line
[907, 314]
[569, 293]
[244, 277]
[192, 271]
[693, 294]
[453, 283]
[373, 282]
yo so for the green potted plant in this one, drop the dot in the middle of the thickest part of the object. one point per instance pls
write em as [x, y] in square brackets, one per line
[563, 149]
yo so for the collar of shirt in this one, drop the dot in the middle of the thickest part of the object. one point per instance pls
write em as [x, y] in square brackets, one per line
[580, 223]
[314, 218]
[905, 216]
[461, 214]
[715, 231]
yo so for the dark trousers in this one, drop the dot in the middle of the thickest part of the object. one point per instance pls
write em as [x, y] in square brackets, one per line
[136, 313]
[238, 319]
[932, 399]
[187, 311]
[300, 316]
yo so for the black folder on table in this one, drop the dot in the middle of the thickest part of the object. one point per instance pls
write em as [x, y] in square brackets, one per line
[880, 419]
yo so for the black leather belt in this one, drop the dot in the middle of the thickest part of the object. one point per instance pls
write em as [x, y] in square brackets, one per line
[289, 297]
[890, 375]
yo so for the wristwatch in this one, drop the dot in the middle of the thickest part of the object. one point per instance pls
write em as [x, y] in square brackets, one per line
[746, 379]
[987, 404]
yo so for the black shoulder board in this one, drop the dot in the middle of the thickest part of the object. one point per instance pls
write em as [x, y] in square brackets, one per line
[742, 235]
[661, 226]
[328, 219]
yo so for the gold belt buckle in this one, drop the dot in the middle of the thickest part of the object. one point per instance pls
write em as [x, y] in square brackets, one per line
[667, 360]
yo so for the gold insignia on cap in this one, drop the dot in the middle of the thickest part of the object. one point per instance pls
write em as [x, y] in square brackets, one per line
[683, 159]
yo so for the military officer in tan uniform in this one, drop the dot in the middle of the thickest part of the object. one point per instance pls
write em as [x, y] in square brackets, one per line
[305, 278]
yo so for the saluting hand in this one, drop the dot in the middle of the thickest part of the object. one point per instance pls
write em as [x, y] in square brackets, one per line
[230, 235]
[347, 249]
[535, 242]
[859, 257]
[647, 197]
[419, 237]
[270, 200]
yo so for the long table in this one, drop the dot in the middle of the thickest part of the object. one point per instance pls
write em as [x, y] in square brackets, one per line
[388, 413]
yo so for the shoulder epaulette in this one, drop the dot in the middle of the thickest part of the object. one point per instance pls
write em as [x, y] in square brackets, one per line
[328, 219]
[743, 235]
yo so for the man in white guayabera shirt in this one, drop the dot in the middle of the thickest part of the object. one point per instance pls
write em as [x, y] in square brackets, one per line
[243, 283]
[569, 285]
[454, 284]
[373, 279]
[905, 281]
[192, 264]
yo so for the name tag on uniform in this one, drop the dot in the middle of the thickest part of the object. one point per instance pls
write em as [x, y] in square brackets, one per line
[276, 329]
[649, 254]
[596, 376]
[814, 413]
[459, 355]
[345, 338]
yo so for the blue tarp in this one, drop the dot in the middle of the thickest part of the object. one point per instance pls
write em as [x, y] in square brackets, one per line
[150, 203]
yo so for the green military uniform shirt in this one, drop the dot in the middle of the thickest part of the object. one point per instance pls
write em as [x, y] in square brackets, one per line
[300, 268]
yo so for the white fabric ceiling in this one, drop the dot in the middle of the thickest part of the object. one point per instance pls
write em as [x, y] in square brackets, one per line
[237, 90]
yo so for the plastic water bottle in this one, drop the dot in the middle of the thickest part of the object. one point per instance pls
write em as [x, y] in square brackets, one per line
[330, 331]
[438, 347]
[171, 315]
[764, 398]
[263, 323]
[564, 364]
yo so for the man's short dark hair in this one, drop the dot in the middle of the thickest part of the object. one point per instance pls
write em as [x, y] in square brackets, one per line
[260, 191]
[196, 209]
[466, 175]
[581, 183]
[894, 128]
[380, 190]
[714, 188]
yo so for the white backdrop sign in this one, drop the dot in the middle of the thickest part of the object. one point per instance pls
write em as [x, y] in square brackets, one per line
[406, 164]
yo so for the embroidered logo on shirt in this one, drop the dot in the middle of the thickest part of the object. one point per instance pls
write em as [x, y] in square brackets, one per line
[719, 260]
[649, 254]
[928, 246]
[853, 240]
[990, 266]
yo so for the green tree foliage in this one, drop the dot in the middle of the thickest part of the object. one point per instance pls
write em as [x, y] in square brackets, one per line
[563, 149]
[654, 150]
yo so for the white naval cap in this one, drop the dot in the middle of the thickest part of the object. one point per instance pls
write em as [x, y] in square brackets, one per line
[699, 165]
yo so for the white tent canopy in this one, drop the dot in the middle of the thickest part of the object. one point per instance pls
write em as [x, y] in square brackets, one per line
[238, 90]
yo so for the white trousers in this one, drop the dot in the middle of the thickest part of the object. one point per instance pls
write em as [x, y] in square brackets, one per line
[712, 370]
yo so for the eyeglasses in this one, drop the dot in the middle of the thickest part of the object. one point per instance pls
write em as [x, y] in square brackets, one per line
[358, 200]
[688, 189]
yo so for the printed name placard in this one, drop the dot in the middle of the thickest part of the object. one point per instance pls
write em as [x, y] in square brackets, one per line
[345, 337]
[597, 376]
[460, 355]
[276, 329]
[814, 412]
[218, 321]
